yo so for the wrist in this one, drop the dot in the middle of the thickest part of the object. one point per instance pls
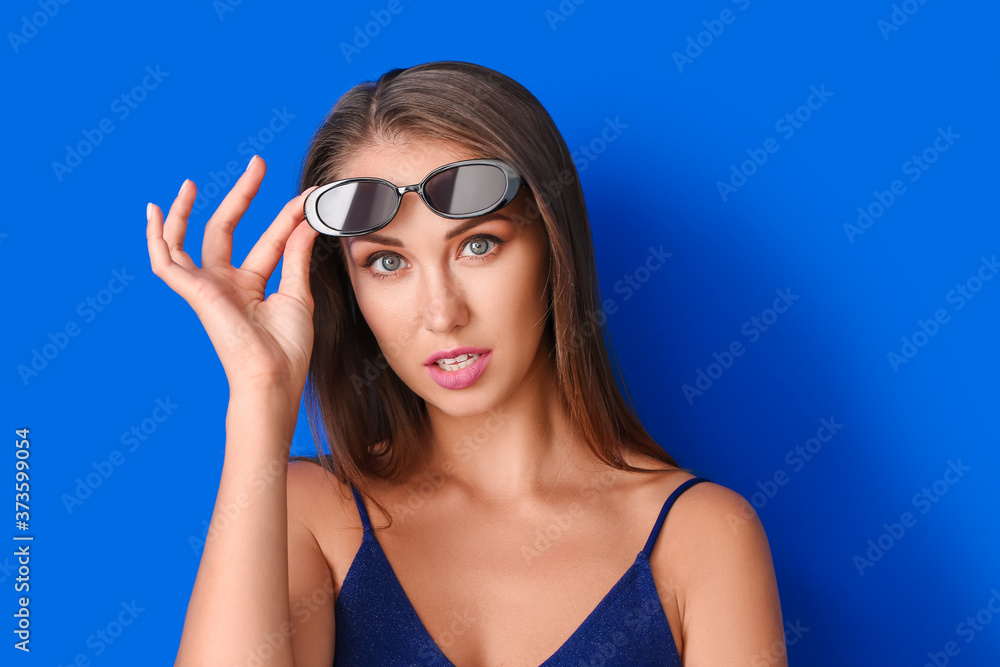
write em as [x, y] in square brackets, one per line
[268, 409]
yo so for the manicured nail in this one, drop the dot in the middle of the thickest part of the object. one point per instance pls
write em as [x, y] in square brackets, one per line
[149, 211]
[250, 163]
[183, 185]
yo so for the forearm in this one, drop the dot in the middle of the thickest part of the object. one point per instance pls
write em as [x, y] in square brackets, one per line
[240, 595]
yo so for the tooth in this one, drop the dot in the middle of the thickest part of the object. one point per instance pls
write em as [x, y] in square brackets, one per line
[455, 360]
[458, 363]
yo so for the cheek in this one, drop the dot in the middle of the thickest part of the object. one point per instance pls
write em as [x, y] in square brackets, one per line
[395, 322]
[516, 301]
[390, 316]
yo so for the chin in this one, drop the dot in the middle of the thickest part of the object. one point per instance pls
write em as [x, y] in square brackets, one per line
[462, 408]
[463, 404]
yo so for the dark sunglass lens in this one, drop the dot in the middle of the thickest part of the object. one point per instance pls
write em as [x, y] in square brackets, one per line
[355, 207]
[466, 189]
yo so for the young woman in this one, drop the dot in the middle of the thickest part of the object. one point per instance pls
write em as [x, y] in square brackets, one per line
[489, 498]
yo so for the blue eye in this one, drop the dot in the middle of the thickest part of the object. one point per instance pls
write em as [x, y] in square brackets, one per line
[479, 246]
[383, 266]
[389, 263]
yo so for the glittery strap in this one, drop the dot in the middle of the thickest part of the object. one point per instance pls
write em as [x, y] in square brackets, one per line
[666, 508]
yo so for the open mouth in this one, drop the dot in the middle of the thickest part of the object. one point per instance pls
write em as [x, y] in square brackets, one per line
[458, 363]
[460, 371]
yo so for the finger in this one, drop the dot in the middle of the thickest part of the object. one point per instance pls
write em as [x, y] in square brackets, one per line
[217, 248]
[173, 274]
[295, 270]
[175, 226]
[268, 250]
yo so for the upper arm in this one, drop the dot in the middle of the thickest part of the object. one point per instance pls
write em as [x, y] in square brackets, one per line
[728, 594]
[310, 582]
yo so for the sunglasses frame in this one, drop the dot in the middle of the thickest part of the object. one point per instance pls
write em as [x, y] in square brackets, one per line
[514, 182]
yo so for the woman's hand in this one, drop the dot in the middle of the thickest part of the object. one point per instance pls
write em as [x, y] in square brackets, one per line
[260, 342]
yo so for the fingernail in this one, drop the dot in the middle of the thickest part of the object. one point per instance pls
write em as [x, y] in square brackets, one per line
[250, 163]
[183, 185]
[149, 211]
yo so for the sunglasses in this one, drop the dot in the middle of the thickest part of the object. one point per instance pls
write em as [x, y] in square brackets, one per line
[465, 189]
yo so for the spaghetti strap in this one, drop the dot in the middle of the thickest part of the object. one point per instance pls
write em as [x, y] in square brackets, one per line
[365, 521]
[376, 624]
[648, 549]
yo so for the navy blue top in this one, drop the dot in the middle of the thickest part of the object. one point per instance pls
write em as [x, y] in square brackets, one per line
[377, 625]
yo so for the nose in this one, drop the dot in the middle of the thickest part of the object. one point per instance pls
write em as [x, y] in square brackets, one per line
[443, 302]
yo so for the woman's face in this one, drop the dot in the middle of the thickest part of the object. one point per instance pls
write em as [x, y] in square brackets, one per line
[429, 286]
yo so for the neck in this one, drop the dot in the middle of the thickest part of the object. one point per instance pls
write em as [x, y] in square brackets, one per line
[521, 447]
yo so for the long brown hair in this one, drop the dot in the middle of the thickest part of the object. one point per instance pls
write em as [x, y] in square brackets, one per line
[373, 422]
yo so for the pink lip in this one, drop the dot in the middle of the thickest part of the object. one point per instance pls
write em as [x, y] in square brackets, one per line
[463, 378]
[451, 354]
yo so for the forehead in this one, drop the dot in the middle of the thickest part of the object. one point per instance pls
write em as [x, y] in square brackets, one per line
[403, 162]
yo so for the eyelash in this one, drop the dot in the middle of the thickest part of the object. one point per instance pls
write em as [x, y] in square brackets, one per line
[381, 275]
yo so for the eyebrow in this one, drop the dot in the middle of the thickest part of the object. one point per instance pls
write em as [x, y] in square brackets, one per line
[375, 237]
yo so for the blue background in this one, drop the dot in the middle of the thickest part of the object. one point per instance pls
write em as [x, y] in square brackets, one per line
[682, 126]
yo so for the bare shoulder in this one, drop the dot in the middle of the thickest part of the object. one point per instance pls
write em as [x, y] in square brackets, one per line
[324, 507]
[312, 577]
[710, 515]
[315, 493]
[714, 554]
[709, 527]
[705, 516]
